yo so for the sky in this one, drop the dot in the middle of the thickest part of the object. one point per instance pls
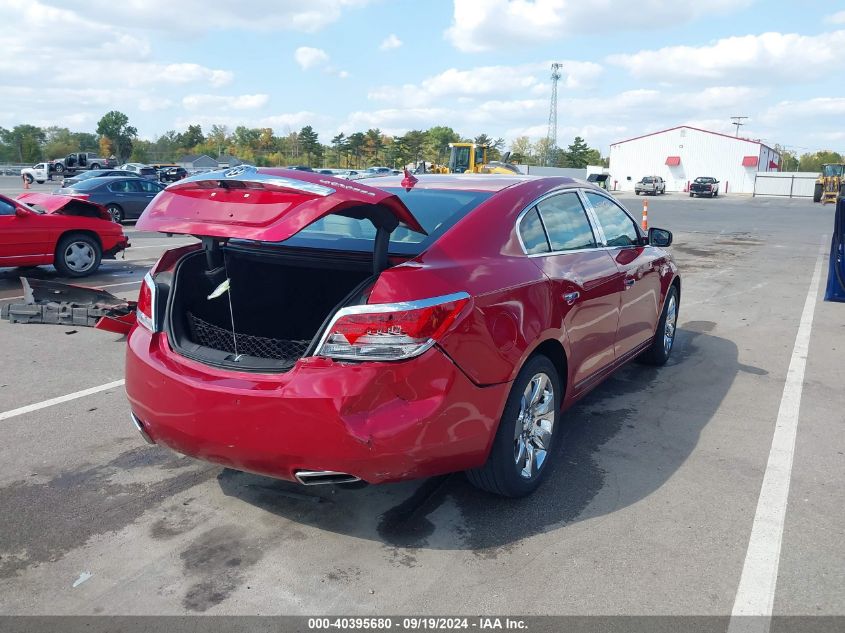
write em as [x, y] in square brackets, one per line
[479, 66]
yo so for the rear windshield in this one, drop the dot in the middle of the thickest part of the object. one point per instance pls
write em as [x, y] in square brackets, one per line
[436, 209]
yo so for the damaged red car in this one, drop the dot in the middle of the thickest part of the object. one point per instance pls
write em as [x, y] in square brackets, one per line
[71, 234]
[330, 331]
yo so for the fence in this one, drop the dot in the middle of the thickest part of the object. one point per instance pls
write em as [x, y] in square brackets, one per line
[798, 184]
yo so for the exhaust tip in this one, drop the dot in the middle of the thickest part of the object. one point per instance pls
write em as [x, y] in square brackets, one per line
[318, 477]
[140, 426]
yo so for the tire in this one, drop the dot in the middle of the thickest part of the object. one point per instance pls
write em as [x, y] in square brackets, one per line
[94, 166]
[517, 445]
[116, 213]
[691, 195]
[664, 339]
[78, 255]
[58, 168]
[40, 182]
[817, 192]
[636, 193]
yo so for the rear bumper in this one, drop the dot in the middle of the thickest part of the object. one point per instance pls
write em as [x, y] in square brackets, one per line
[377, 421]
[121, 245]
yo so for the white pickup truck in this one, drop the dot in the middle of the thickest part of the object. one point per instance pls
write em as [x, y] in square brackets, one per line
[39, 173]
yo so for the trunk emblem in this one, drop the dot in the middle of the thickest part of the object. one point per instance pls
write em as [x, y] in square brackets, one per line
[235, 171]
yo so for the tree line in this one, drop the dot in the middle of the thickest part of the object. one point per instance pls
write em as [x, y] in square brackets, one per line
[114, 136]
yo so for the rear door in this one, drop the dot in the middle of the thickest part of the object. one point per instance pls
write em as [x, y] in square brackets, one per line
[584, 278]
[268, 205]
[835, 290]
[639, 266]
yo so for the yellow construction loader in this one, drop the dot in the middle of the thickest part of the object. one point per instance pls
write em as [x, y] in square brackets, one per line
[830, 184]
[469, 158]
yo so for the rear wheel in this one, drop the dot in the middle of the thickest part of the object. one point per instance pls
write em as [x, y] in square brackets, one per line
[94, 166]
[115, 212]
[524, 443]
[78, 255]
[58, 168]
[664, 337]
[817, 192]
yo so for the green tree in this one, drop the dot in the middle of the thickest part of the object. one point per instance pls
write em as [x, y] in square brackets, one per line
[309, 143]
[142, 152]
[85, 141]
[24, 142]
[339, 143]
[59, 142]
[521, 149]
[814, 161]
[414, 140]
[437, 142]
[219, 137]
[576, 155]
[115, 127]
[246, 139]
[374, 144]
[192, 137]
[355, 142]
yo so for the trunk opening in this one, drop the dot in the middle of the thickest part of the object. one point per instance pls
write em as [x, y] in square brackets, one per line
[280, 302]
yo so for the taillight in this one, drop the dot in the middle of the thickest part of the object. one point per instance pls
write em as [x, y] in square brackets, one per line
[146, 304]
[390, 331]
[81, 196]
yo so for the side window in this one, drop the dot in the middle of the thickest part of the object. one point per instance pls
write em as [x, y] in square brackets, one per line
[118, 187]
[6, 208]
[150, 187]
[619, 228]
[533, 234]
[566, 222]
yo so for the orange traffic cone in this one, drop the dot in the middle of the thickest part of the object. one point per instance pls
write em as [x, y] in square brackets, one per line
[645, 215]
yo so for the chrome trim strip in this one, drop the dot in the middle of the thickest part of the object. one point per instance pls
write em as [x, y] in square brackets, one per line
[140, 427]
[250, 174]
[324, 477]
[378, 308]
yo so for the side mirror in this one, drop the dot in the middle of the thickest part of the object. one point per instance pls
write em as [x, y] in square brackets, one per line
[21, 213]
[659, 237]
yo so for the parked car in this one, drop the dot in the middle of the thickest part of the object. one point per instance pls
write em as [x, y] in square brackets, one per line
[145, 171]
[653, 185]
[96, 173]
[125, 198]
[172, 174]
[301, 168]
[384, 329]
[704, 186]
[72, 234]
[80, 161]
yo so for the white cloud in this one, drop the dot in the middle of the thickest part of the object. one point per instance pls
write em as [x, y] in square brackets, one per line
[200, 16]
[483, 25]
[207, 102]
[282, 123]
[148, 104]
[760, 58]
[390, 42]
[836, 18]
[486, 81]
[308, 57]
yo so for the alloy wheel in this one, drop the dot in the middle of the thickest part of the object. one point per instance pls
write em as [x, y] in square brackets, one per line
[534, 426]
[80, 256]
[671, 321]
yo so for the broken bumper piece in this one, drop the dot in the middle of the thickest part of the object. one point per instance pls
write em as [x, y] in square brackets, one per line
[67, 304]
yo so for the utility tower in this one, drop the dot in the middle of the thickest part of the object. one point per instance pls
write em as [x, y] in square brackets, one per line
[551, 135]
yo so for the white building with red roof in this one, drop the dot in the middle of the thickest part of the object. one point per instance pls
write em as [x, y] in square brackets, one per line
[681, 154]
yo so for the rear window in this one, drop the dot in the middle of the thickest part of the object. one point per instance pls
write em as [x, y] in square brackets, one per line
[436, 209]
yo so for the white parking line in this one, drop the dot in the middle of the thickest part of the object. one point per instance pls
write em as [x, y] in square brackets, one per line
[5, 415]
[756, 593]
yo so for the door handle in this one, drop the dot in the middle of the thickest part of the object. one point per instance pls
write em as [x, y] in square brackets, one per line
[629, 282]
[571, 297]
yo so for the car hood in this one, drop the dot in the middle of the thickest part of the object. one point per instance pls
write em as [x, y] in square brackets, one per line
[64, 205]
[267, 205]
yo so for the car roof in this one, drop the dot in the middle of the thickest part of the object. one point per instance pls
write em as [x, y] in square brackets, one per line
[469, 182]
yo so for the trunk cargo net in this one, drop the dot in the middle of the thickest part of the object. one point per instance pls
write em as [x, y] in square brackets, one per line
[208, 335]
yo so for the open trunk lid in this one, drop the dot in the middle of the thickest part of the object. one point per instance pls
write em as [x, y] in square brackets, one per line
[268, 205]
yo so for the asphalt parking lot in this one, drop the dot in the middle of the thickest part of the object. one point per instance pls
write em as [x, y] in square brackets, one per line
[649, 509]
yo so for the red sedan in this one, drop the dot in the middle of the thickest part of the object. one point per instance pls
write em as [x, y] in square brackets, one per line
[332, 331]
[72, 234]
